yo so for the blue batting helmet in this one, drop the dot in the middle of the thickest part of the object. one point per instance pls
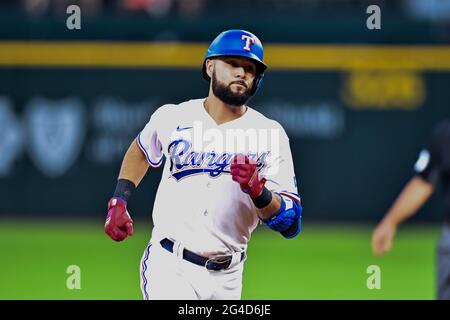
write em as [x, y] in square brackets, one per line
[238, 43]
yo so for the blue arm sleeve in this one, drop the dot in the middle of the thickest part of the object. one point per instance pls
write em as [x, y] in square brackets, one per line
[288, 219]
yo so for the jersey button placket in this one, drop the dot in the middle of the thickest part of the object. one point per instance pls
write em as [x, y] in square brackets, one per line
[208, 190]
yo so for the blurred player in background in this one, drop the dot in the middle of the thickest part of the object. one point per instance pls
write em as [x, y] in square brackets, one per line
[432, 168]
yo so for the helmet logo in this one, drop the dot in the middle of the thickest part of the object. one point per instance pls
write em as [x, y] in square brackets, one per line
[248, 41]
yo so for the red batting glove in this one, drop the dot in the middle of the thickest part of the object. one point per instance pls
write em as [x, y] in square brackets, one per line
[244, 171]
[119, 224]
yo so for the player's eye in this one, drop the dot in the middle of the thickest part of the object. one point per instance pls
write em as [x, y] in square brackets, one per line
[232, 63]
[250, 69]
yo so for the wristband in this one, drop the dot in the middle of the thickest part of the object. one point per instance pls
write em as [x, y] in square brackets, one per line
[124, 189]
[264, 199]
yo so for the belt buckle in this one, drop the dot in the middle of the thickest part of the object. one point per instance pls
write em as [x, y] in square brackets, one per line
[218, 263]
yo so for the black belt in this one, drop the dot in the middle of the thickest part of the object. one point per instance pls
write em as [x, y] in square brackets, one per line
[216, 264]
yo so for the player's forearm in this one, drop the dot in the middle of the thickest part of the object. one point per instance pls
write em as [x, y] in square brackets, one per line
[411, 199]
[134, 165]
[271, 209]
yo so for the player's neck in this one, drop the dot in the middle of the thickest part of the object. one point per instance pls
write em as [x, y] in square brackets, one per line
[222, 112]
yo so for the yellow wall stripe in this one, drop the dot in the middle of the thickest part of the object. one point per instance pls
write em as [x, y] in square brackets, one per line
[190, 55]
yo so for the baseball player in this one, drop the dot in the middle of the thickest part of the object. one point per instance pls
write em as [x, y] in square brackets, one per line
[432, 167]
[212, 193]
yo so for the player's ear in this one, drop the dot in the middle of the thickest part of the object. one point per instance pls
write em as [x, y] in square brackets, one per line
[209, 67]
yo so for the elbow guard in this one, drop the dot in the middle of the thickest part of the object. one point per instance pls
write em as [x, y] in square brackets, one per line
[288, 220]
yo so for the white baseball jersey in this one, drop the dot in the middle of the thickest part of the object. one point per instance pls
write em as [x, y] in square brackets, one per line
[197, 202]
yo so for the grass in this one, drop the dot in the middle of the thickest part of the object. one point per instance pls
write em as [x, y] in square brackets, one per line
[324, 262]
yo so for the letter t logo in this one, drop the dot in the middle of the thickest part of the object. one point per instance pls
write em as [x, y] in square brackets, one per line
[248, 41]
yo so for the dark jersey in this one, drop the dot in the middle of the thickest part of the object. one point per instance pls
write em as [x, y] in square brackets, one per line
[433, 164]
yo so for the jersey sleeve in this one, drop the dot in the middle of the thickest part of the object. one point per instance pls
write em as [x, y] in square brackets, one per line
[429, 163]
[149, 140]
[280, 172]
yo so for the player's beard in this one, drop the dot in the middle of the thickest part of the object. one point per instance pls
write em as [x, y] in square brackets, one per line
[229, 97]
